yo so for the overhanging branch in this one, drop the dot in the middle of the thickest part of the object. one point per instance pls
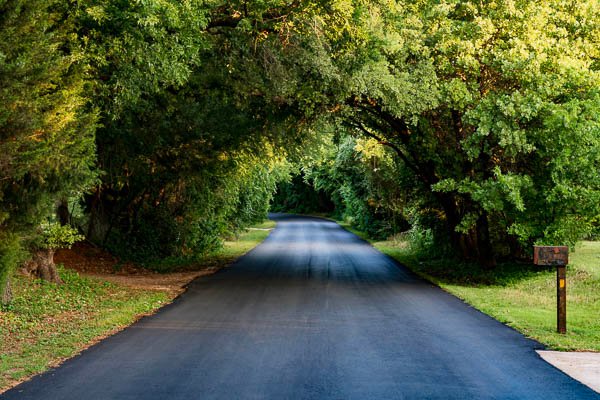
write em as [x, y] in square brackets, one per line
[393, 146]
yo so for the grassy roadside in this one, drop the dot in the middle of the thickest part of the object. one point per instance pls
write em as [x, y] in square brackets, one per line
[249, 239]
[521, 296]
[47, 323]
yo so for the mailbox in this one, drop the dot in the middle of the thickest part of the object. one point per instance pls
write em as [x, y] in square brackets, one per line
[551, 255]
[559, 257]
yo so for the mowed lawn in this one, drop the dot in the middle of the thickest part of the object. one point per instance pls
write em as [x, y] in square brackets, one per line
[47, 323]
[524, 296]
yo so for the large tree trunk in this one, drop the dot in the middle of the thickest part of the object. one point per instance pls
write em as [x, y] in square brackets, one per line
[7, 293]
[458, 241]
[42, 266]
[476, 244]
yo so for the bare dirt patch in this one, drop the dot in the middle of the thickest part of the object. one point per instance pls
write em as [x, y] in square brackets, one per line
[96, 263]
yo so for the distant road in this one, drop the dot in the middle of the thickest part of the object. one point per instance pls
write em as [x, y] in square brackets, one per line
[312, 313]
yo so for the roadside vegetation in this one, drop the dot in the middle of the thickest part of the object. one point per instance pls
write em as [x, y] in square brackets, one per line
[157, 129]
[48, 323]
[245, 241]
[520, 295]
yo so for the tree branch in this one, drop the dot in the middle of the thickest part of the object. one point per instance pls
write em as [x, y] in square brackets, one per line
[391, 145]
[226, 17]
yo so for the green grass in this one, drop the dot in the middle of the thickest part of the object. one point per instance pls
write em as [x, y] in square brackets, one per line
[231, 249]
[520, 295]
[240, 245]
[266, 224]
[47, 323]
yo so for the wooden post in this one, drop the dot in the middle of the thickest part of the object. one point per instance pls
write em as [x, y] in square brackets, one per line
[561, 299]
[559, 257]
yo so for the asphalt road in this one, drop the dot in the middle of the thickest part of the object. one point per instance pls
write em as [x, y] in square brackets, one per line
[312, 313]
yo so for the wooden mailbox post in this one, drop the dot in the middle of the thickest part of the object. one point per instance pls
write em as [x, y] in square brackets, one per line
[558, 256]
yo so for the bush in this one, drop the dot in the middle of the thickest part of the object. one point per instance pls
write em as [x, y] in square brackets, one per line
[56, 236]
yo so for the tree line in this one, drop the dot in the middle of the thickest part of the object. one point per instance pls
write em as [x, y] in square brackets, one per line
[158, 127]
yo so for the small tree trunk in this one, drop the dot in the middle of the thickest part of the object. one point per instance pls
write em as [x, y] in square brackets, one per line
[62, 212]
[42, 266]
[486, 257]
[7, 293]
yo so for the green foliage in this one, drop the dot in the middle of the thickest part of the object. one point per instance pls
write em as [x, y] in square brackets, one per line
[192, 218]
[47, 146]
[138, 49]
[477, 124]
[361, 179]
[192, 153]
[493, 110]
[56, 236]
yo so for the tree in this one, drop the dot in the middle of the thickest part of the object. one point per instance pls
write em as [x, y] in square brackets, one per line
[182, 151]
[364, 182]
[493, 108]
[46, 132]
[493, 119]
[51, 237]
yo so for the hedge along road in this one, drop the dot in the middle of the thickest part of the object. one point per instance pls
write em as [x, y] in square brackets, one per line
[312, 313]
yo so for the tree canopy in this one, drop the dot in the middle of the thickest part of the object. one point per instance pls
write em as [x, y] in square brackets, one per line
[493, 108]
[158, 128]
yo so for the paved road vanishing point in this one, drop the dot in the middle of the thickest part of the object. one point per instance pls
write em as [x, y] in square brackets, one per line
[312, 313]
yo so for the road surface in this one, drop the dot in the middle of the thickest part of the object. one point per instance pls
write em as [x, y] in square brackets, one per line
[312, 313]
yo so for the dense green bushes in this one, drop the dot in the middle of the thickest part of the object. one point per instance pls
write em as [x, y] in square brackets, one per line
[192, 218]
